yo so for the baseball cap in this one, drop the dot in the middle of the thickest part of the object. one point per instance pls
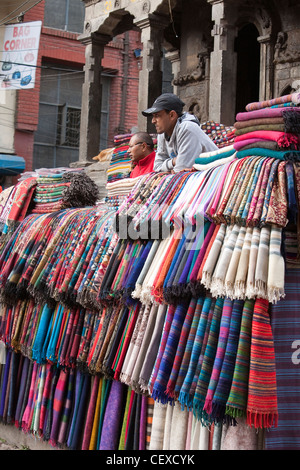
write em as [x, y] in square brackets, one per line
[167, 101]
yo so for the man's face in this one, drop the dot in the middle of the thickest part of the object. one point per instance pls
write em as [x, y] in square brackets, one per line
[135, 149]
[164, 122]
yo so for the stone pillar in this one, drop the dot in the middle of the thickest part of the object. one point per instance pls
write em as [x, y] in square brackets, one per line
[266, 78]
[223, 63]
[174, 57]
[91, 97]
[150, 78]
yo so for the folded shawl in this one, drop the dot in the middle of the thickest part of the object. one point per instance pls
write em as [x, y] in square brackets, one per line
[112, 418]
[286, 330]
[238, 395]
[263, 113]
[290, 98]
[170, 339]
[278, 204]
[226, 374]
[179, 355]
[220, 354]
[208, 361]
[262, 393]
[264, 151]
[276, 268]
[151, 356]
[202, 322]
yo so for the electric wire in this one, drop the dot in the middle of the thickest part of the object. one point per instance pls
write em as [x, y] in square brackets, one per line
[23, 12]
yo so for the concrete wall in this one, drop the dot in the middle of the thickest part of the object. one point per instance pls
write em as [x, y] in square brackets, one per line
[12, 438]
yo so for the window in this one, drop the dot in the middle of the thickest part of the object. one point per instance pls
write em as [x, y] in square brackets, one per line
[57, 138]
[56, 141]
[67, 15]
[68, 126]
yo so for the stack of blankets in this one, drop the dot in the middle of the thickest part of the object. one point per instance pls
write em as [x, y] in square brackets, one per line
[120, 164]
[220, 134]
[118, 190]
[44, 191]
[49, 191]
[119, 184]
[268, 126]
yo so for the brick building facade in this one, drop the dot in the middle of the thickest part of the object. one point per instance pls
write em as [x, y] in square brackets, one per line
[39, 114]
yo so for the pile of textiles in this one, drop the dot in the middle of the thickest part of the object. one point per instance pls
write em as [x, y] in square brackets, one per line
[251, 191]
[76, 411]
[230, 262]
[61, 256]
[129, 265]
[210, 356]
[77, 307]
[171, 300]
[239, 226]
[220, 134]
[268, 125]
[59, 190]
[43, 192]
[120, 164]
[15, 204]
[118, 190]
[71, 409]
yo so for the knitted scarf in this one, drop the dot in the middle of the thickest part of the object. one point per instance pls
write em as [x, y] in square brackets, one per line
[168, 353]
[237, 399]
[58, 403]
[184, 367]
[286, 329]
[186, 393]
[220, 353]
[227, 370]
[262, 393]
[256, 192]
[292, 210]
[208, 360]
[217, 283]
[112, 418]
[149, 366]
[184, 335]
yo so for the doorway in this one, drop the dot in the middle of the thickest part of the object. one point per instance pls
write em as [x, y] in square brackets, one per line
[248, 67]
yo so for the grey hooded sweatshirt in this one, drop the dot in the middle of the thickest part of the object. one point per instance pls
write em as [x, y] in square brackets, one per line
[186, 143]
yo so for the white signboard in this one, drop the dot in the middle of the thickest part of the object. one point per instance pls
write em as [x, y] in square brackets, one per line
[19, 55]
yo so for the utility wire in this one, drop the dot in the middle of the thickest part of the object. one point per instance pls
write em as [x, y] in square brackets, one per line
[23, 12]
[13, 11]
[41, 66]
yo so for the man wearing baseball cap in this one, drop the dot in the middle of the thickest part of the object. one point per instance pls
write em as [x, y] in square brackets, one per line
[180, 138]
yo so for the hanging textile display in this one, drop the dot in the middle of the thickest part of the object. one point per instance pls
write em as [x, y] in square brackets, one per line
[158, 308]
